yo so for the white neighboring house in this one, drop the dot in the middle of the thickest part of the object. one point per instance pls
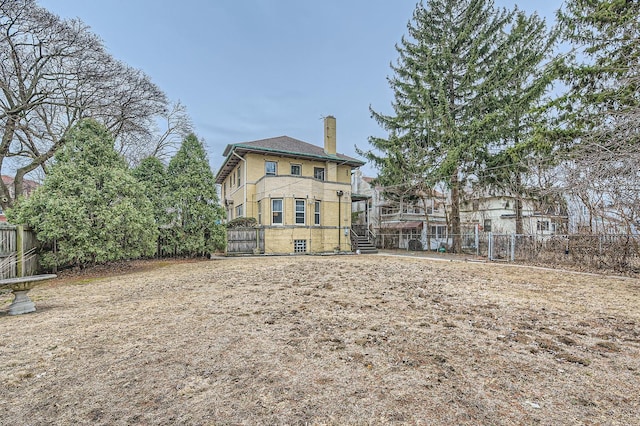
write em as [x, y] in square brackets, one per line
[365, 199]
[396, 223]
[497, 214]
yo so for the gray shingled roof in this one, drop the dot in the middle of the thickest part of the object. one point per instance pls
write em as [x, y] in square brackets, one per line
[284, 146]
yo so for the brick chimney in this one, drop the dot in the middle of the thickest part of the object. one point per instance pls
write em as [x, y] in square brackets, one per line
[330, 135]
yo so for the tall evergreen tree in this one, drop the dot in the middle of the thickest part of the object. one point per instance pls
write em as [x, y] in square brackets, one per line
[517, 146]
[445, 84]
[604, 74]
[197, 216]
[152, 173]
[90, 209]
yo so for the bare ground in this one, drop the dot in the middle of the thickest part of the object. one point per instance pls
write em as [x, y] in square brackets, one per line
[324, 340]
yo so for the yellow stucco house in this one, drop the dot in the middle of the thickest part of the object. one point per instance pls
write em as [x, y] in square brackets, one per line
[299, 193]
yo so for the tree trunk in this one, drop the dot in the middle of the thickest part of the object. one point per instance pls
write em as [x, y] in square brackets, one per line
[455, 213]
[426, 221]
[7, 138]
[518, 206]
[519, 227]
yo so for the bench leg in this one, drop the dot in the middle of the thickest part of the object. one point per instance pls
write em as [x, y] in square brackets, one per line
[21, 303]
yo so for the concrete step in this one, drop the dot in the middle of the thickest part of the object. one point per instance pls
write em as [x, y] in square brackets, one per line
[368, 251]
[365, 246]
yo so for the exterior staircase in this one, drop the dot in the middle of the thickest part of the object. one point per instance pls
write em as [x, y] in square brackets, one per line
[360, 241]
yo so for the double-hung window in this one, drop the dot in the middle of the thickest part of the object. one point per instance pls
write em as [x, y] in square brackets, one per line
[270, 168]
[316, 213]
[318, 173]
[259, 212]
[276, 211]
[300, 212]
[296, 170]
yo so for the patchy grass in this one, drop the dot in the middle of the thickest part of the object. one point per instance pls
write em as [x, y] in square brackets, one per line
[325, 340]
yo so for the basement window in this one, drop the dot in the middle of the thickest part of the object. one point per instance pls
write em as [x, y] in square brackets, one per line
[299, 246]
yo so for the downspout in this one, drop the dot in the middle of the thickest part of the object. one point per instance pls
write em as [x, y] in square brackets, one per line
[244, 213]
[339, 194]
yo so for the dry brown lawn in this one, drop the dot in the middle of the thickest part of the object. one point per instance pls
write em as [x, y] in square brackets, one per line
[325, 340]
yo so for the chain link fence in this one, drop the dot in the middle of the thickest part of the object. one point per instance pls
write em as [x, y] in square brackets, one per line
[620, 253]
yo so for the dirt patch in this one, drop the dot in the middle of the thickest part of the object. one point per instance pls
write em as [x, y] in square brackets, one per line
[324, 340]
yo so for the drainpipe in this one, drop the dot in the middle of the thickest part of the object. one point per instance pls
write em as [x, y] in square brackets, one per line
[339, 194]
[244, 213]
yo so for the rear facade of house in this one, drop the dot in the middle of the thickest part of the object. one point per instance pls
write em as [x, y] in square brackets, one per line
[299, 193]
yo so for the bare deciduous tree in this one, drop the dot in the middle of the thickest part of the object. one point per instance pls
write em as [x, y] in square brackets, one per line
[54, 72]
[602, 110]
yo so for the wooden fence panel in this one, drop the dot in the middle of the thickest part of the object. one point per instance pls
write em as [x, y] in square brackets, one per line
[7, 252]
[245, 240]
[9, 261]
[30, 244]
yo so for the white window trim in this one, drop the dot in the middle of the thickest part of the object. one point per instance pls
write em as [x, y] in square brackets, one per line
[324, 173]
[259, 206]
[275, 173]
[317, 213]
[281, 212]
[304, 211]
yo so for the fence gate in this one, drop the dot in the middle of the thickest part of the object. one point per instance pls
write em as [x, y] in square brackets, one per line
[501, 247]
[245, 241]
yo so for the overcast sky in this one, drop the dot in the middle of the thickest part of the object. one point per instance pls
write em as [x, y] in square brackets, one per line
[255, 69]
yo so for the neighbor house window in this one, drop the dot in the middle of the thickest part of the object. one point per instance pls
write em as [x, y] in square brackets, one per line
[476, 205]
[318, 173]
[239, 178]
[276, 211]
[438, 231]
[296, 169]
[300, 212]
[487, 225]
[239, 211]
[271, 168]
[299, 246]
[543, 225]
[316, 213]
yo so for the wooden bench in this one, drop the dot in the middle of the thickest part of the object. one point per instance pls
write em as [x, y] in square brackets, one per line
[20, 286]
